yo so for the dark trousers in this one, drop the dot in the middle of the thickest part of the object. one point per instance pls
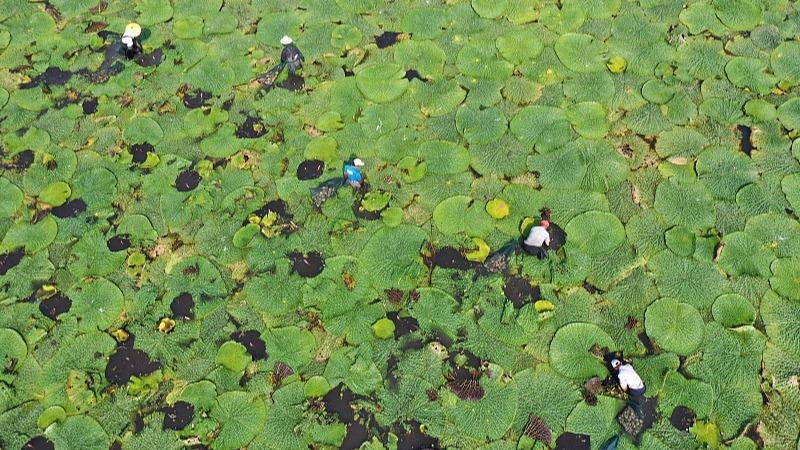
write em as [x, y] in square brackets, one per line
[635, 400]
[539, 252]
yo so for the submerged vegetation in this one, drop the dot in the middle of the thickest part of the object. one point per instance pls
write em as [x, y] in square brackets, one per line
[167, 280]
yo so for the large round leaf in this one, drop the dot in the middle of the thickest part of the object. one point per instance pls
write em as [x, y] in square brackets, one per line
[392, 257]
[785, 278]
[785, 61]
[543, 126]
[743, 254]
[589, 119]
[479, 59]
[381, 82]
[733, 310]
[97, 302]
[581, 52]
[674, 326]
[444, 157]
[460, 214]
[12, 351]
[438, 98]
[738, 15]
[10, 198]
[143, 129]
[423, 56]
[241, 417]
[78, 432]
[686, 203]
[750, 73]
[571, 350]
[782, 322]
[480, 126]
[595, 232]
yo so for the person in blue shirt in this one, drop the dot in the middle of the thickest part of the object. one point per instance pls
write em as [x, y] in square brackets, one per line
[352, 173]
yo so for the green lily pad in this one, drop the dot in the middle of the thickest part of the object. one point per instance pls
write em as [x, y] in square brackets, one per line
[439, 98]
[10, 198]
[97, 302]
[545, 127]
[423, 56]
[674, 326]
[480, 60]
[55, 194]
[143, 129]
[481, 126]
[789, 113]
[733, 310]
[233, 356]
[12, 351]
[345, 37]
[750, 73]
[595, 232]
[382, 82]
[34, 237]
[519, 48]
[571, 350]
[589, 119]
[489, 9]
[738, 15]
[785, 62]
[580, 52]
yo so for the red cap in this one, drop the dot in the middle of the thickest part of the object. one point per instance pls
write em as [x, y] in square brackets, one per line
[545, 223]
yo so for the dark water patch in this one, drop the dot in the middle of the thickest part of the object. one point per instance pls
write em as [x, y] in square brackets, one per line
[127, 361]
[519, 291]
[414, 344]
[187, 181]
[310, 169]
[196, 99]
[682, 418]
[469, 389]
[293, 82]
[391, 367]
[251, 339]
[307, 265]
[118, 243]
[178, 416]
[39, 443]
[745, 139]
[450, 258]
[116, 445]
[411, 437]
[277, 206]
[650, 413]
[10, 260]
[338, 403]
[362, 213]
[412, 74]
[252, 128]
[356, 435]
[650, 349]
[348, 72]
[386, 39]
[52, 76]
[754, 435]
[89, 105]
[402, 325]
[153, 58]
[592, 289]
[69, 209]
[464, 365]
[182, 306]
[572, 441]
[55, 306]
[21, 161]
[140, 151]
[558, 237]
[138, 422]
[441, 337]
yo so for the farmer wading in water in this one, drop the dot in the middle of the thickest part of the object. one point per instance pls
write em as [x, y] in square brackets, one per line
[537, 239]
[131, 47]
[630, 382]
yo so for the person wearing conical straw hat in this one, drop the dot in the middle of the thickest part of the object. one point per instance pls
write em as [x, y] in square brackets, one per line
[291, 56]
[131, 45]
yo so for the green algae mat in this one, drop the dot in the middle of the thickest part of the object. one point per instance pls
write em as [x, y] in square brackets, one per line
[168, 280]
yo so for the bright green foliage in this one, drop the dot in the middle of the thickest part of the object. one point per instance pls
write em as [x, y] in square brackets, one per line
[733, 310]
[674, 326]
[571, 350]
[233, 356]
[163, 205]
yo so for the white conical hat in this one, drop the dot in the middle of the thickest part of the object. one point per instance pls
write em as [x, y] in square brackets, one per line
[286, 40]
[358, 162]
[133, 30]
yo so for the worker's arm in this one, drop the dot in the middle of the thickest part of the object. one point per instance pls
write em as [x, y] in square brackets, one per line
[623, 384]
[547, 240]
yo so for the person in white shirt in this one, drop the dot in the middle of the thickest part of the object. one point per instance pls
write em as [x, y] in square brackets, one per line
[630, 382]
[538, 238]
[131, 46]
